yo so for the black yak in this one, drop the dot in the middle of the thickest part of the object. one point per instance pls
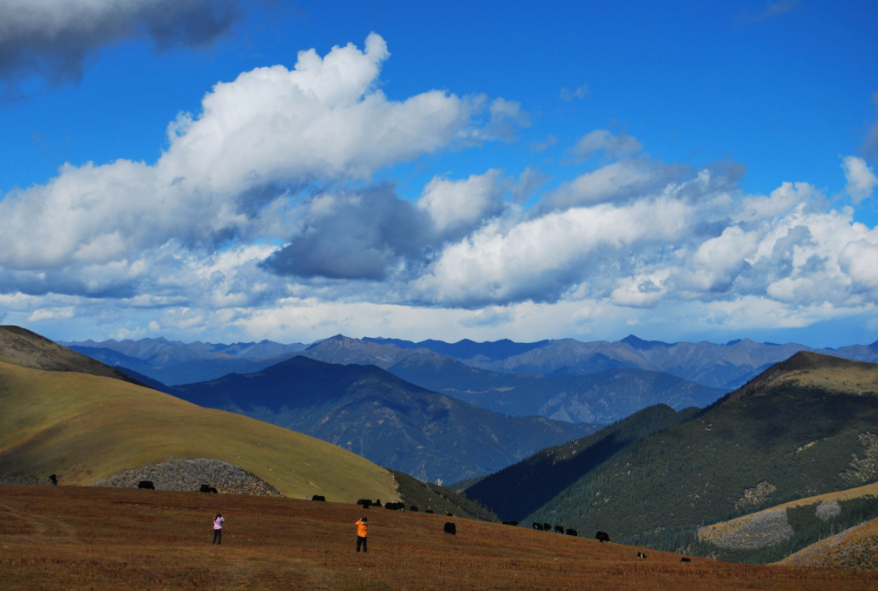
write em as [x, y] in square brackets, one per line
[571, 532]
[684, 559]
[53, 479]
[147, 484]
[559, 529]
[206, 488]
[450, 528]
[547, 527]
[537, 526]
[602, 537]
[320, 498]
[641, 555]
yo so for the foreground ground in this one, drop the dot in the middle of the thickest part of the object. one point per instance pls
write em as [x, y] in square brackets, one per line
[89, 538]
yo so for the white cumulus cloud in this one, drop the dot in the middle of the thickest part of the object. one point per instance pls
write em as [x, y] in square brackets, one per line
[465, 203]
[860, 176]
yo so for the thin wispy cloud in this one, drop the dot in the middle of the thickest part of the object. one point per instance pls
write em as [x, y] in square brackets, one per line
[772, 10]
[568, 95]
[870, 143]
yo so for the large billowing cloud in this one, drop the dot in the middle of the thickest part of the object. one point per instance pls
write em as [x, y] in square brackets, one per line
[268, 131]
[53, 38]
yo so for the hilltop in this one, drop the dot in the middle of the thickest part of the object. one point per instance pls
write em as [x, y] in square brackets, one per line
[21, 347]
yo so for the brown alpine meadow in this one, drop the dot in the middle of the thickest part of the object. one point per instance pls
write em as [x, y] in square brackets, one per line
[99, 538]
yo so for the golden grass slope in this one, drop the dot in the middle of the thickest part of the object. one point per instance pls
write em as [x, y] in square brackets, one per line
[85, 428]
[813, 370]
[855, 548]
[24, 348]
[755, 521]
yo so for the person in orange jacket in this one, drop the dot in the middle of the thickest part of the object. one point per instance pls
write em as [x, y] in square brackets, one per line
[362, 530]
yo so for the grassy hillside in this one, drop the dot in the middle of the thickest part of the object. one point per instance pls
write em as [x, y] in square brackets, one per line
[86, 428]
[101, 539]
[804, 427]
[439, 499]
[769, 535]
[519, 490]
[852, 549]
[384, 418]
[858, 492]
[19, 346]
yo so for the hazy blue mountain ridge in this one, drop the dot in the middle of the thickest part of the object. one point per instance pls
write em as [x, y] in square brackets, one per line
[596, 398]
[722, 366]
[383, 418]
[173, 362]
[465, 349]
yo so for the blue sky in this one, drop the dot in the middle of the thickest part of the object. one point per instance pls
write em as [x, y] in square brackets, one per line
[582, 169]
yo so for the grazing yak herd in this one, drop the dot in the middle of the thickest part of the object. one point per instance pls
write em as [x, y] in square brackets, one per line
[450, 528]
[559, 529]
[366, 503]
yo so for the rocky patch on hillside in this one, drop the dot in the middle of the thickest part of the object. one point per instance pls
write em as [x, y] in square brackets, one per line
[189, 475]
[756, 495]
[864, 469]
[750, 532]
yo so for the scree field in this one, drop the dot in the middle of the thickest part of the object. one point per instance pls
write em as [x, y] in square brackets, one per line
[100, 538]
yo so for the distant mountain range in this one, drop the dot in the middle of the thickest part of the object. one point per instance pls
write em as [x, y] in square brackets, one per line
[804, 427]
[596, 398]
[373, 413]
[174, 362]
[721, 366]
[717, 366]
[568, 380]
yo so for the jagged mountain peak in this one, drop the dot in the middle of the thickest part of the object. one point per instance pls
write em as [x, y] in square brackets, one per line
[638, 343]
